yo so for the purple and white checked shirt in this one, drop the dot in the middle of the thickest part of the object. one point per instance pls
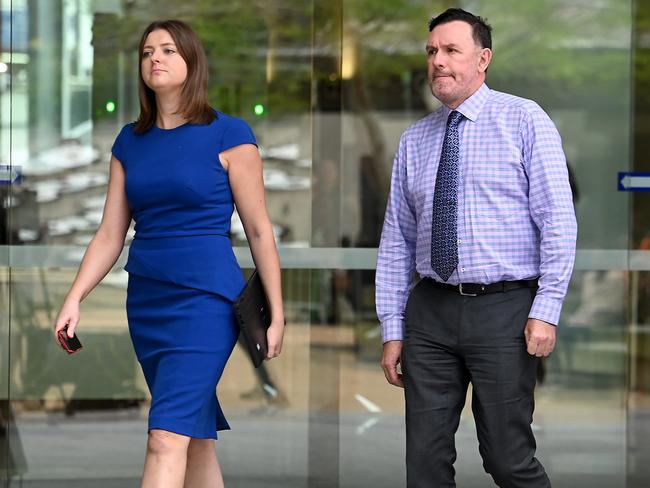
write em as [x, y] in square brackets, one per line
[515, 211]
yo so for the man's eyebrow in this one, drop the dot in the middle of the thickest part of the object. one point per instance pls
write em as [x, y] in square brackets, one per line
[451, 44]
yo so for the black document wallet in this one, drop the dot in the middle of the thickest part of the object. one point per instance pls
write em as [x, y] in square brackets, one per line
[254, 317]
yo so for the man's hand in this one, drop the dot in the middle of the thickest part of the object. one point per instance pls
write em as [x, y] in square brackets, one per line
[389, 361]
[540, 337]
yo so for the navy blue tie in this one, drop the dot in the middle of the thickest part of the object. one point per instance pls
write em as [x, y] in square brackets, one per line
[444, 235]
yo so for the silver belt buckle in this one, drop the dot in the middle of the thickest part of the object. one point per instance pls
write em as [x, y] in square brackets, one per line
[460, 290]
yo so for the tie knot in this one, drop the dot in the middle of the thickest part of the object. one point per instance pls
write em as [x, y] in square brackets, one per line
[454, 118]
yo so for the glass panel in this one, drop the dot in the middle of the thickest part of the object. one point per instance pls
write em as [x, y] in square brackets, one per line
[74, 86]
[12, 461]
[581, 396]
[328, 87]
[99, 392]
[6, 464]
[639, 379]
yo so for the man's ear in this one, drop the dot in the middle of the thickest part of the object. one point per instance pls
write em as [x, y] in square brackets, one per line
[484, 60]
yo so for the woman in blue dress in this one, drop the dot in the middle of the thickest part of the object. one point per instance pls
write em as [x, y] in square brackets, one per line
[177, 172]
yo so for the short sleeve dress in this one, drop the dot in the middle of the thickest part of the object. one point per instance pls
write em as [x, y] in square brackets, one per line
[183, 275]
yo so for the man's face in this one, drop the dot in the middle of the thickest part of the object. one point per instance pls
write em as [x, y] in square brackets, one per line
[456, 64]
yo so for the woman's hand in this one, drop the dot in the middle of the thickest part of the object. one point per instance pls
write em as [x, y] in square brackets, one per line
[68, 316]
[274, 336]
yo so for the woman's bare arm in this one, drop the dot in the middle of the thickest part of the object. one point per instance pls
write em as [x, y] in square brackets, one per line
[102, 252]
[244, 167]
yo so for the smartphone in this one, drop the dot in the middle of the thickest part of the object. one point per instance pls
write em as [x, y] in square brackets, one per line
[70, 345]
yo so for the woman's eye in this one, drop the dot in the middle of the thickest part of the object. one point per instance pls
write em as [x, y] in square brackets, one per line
[146, 54]
[169, 51]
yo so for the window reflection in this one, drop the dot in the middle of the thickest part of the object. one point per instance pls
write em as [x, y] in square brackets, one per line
[328, 87]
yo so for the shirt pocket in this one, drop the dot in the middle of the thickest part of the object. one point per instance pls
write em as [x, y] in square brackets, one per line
[497, 185]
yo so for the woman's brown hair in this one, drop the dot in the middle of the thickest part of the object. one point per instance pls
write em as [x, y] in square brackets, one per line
[193, 104]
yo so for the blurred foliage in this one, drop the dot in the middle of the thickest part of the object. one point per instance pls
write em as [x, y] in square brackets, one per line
[237, 36]
[564, 46]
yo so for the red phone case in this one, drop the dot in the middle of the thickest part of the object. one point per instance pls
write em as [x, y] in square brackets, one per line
[69, 345]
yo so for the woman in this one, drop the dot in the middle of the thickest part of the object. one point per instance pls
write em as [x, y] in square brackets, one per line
[176, 172]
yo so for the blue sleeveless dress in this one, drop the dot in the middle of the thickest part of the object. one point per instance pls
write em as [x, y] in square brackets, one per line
[183, 275]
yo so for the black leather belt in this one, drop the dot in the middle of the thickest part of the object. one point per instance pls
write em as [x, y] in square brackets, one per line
[476, 289]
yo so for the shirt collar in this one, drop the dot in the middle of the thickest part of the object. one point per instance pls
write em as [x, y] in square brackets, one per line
[471, 107]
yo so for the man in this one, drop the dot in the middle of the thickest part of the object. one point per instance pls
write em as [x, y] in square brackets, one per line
[480, 208]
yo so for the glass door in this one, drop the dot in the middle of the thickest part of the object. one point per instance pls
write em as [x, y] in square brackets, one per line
[74, 85]
[638, 416]
[328, 87]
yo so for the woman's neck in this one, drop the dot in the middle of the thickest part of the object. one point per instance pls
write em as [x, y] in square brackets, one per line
[168, 115]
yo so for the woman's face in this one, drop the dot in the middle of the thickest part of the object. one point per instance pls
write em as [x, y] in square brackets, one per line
[163, 68]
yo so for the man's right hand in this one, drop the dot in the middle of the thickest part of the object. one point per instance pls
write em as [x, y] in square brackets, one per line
[389, 361]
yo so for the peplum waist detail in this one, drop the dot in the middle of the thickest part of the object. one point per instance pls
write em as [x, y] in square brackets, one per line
[204, 262]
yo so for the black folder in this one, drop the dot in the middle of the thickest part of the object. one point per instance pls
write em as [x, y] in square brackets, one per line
[254, 317]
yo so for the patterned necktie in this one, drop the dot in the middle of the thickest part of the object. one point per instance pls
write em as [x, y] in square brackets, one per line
[444, 243]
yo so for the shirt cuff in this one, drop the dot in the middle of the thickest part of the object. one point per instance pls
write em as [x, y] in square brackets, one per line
[392, 330]
[546, 309]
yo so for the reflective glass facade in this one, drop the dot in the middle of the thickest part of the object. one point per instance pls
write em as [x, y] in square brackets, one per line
[328, 87]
